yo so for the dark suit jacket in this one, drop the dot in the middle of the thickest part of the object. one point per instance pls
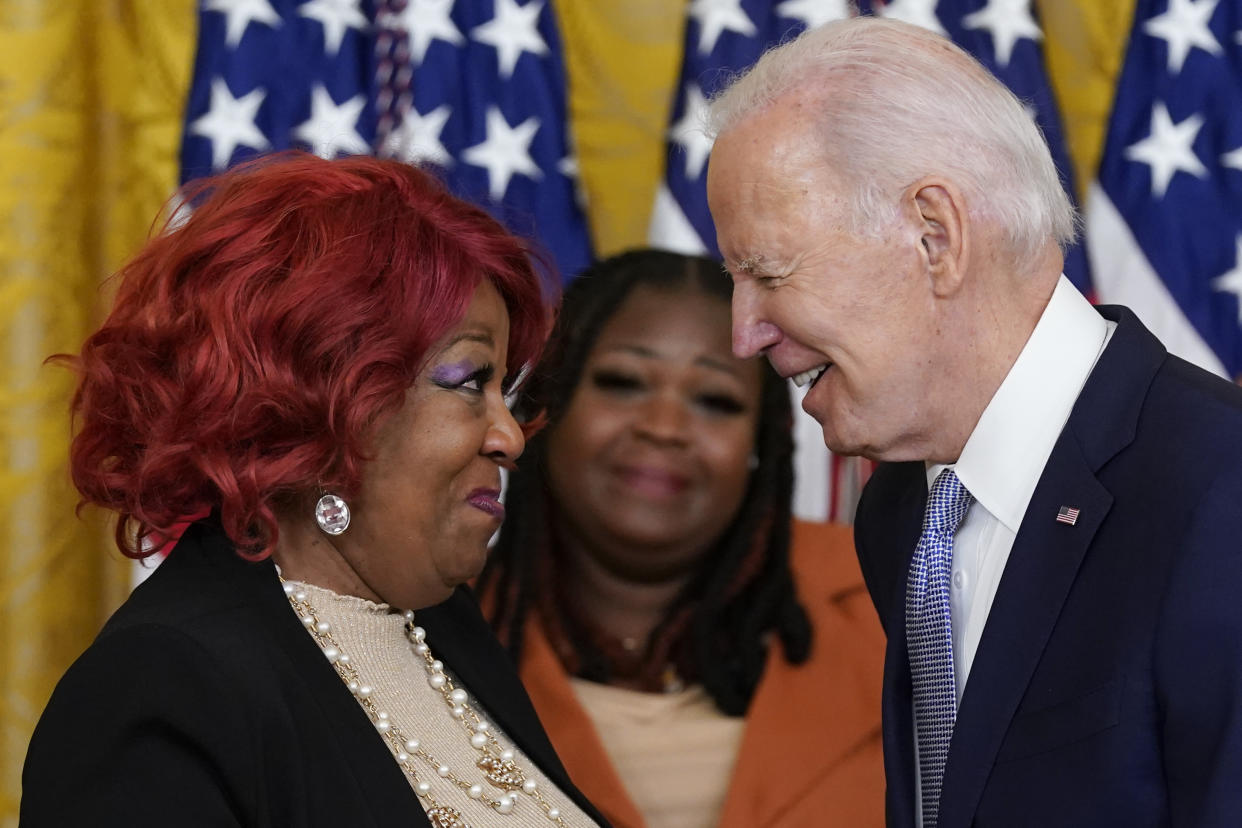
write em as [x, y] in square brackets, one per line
[1107, 687]
[203, 702]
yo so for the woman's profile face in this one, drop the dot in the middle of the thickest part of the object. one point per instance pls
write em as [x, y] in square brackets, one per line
[429, 500]
[650, 462]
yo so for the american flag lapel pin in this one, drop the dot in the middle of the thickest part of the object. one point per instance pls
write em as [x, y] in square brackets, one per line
[1067, 514]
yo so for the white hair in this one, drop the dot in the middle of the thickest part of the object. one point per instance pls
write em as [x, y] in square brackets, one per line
[898, 103]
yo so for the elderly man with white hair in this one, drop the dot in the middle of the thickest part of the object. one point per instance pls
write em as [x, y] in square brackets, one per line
[1053, 539]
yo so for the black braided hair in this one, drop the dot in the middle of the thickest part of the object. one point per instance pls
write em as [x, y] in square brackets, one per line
[729, 629]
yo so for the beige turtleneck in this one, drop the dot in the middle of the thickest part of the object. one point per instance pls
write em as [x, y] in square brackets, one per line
[373, 635]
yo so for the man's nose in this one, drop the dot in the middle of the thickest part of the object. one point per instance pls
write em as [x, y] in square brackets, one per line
[752, 334]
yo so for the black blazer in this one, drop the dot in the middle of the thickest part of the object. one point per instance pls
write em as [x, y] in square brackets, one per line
[203, 702]
[1107, 687]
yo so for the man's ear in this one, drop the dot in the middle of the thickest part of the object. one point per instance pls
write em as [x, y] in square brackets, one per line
[944, 232]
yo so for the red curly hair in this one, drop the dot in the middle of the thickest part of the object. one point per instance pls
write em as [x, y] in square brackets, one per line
[252, 348]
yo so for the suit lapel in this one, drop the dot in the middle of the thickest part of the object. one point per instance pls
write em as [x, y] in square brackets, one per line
[1045, 559]
[774, 772]
[1041, 569]
[213, 566]
[902, 535]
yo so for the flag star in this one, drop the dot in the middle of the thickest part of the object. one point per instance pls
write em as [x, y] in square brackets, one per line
[1183, 26]
[229, 123]
[568, 167]
[915, 12]
[425, 21]
[1168, 148]
[512, 31]
[417, 138]
[1231, 281]
[814, 13]
[1008, 21]
[715, 16]
[690, 134]
[331, 128]
[335, 16]
[505, 151]
[239, 14]
[1233, 159]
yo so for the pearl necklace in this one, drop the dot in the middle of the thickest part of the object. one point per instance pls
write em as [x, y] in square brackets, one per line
[496, 763]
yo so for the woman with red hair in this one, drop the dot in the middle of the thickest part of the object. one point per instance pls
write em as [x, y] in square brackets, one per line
[301, 390]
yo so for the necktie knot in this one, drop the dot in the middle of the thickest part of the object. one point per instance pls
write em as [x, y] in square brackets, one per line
[947, 503]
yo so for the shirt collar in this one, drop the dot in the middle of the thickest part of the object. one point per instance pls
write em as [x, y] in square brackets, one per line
[1005, 455]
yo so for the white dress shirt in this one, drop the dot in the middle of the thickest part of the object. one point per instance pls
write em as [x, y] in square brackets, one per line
[1005, 456]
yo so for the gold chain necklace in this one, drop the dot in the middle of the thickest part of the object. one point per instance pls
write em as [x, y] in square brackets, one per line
[496, 762]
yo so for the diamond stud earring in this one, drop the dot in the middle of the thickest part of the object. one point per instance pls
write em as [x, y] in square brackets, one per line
[332, 514]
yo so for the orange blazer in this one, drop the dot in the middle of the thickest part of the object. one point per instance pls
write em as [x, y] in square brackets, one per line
[811, 751]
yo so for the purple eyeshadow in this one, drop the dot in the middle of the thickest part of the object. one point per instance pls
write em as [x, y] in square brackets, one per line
[455, 373]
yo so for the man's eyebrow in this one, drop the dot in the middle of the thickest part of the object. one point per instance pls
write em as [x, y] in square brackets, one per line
[750, 264]
[747, 266]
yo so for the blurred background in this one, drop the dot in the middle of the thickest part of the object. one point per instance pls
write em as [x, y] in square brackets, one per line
[575, 121]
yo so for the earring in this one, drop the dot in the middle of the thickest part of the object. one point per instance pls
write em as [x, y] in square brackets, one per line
[332, 514]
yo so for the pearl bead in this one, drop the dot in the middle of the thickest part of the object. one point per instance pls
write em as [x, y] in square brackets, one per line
[506, 755]
[478, 740]
[344, 659]
[476, 791]
[458, 712]
[307, 621]
[418, 633]
[409, 615]
[437, 680]
[412, 745]
[504, 805]
[423, 787]
[482, 726]
[300, 595]
[458, 696]
[288, 588]
[332, 654]
[353, 687]
[437, 666]
[364, 691]
[420, 649]
[554, 813]
[403, 757]
[383, 726]
[443, 770]
[323, 627]
[529, 786]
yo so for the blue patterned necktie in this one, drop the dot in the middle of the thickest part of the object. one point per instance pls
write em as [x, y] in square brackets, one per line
[929, 635]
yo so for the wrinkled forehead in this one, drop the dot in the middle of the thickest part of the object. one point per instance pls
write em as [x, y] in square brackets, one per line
[777, 146]
[765, 173]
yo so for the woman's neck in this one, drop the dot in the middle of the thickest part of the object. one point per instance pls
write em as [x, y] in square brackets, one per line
[625, 607]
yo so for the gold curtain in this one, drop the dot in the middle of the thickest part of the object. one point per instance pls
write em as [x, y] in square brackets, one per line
[91, 95]
[90, 104]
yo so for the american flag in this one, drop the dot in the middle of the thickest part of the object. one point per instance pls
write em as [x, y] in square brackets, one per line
[725, 36]
[475, 88]
[1068, 514]
[1164, 217]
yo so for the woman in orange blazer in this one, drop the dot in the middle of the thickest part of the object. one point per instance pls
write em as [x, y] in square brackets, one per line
[692, 666]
